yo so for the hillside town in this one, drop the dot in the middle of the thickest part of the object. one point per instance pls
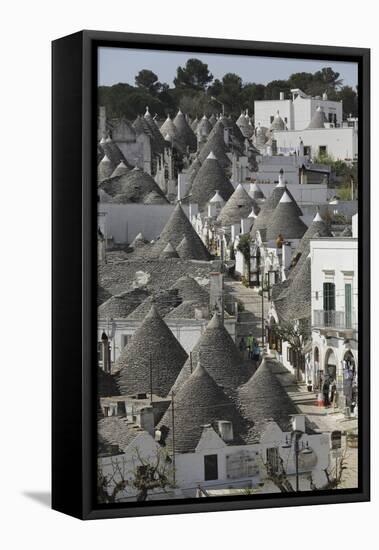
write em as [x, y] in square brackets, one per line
[227, 301]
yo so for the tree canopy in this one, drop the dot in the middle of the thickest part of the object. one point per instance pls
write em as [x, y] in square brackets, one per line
[197, 92]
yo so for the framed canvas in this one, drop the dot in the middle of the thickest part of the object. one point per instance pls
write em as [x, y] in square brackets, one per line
[211, 208]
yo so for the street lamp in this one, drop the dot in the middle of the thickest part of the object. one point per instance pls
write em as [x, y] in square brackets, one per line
[220, 103]
[297, 434]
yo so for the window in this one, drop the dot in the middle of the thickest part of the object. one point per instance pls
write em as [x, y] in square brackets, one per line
[322, 150]
[210, 467]
[99, 353]
[271, 119]
[329, 291]
[329, 303]
[348, 305]
[124, 340]
[307, 150]
[285, 119]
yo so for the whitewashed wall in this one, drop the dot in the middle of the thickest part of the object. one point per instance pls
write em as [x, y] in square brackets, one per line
[341, 143]
[124, 221]
[186, 331]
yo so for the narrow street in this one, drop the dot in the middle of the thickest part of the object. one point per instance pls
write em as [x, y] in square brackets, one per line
[250, 319]
[320, 419]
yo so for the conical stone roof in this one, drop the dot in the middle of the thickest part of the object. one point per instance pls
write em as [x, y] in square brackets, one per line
[184, 132]
[169, 252]
[168, 127]
[134, 186]
[104, 169]
[318, 119]
[203, 128]
[317, 226]
[268, 207]
[163, 301]
[153, 344]
[189, 289]
[187, 249]
[238, 207]
[198, 403]
[209, 179]
[285, 220]
[178, 226]
[139, 240]
[216, 144]
[194, 124]
[263, 399]
[122, 305]
[218, 353]
[256, 191]
[120, 170]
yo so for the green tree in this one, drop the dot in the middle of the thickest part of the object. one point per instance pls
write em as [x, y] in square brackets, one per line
[148, 81]
[296, 334]
[326, 80]
[304, 81]
[274, 88]
[349, 98]
[195, 74]
[251, 92]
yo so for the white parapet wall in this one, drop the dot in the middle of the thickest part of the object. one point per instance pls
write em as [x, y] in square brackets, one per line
[124, 221]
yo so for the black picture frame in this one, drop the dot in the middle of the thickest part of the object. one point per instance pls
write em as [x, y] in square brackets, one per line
[74, 206]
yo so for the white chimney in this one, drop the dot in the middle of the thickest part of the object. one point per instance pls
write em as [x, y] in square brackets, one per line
[146, 419]
[281, 96]
[216, 291]
[298, 423]
[235, 231]
[225, 430]
[212, 210]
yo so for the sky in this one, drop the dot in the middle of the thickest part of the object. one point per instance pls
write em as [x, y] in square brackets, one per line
[122, 64]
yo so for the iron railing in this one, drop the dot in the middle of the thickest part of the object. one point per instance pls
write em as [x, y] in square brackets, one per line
[340, 320]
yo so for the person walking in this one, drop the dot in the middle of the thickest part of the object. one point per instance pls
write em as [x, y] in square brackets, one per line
[242, 347]
[250, 345]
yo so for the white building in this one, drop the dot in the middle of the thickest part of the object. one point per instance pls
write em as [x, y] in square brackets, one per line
[334, 275]
[186, 331]
[341, 143]
[296, 112]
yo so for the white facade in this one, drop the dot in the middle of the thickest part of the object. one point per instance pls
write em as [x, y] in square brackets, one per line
[334, 268]
[339, 143]
[296, 112]
[244, 465]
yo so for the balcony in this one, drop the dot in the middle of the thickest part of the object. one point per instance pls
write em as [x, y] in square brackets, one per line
[334, 320]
